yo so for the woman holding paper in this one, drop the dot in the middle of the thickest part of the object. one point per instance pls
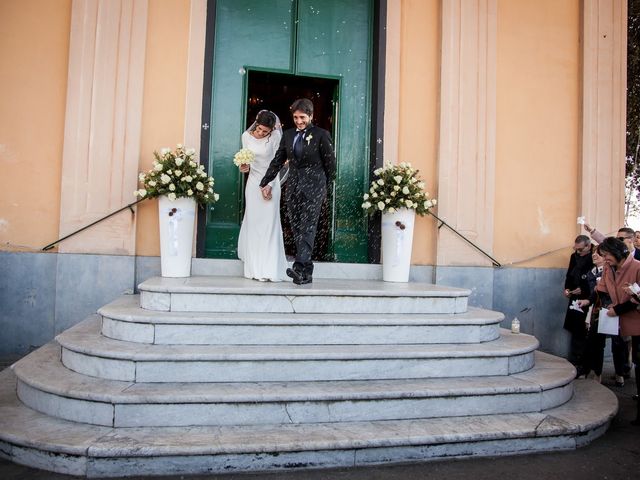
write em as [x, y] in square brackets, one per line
[619, 281]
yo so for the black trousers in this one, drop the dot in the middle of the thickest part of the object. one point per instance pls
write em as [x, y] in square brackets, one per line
[620, 353]
[577, 347]
[594, 350]
[306, 190]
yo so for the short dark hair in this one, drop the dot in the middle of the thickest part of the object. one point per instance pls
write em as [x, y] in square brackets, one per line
[614, 247]
[626, 230]
[303, 105]
[582, 239]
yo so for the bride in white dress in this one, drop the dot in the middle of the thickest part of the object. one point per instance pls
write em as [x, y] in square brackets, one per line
[260, 244]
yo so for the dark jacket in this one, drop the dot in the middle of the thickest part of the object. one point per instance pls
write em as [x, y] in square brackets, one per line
[317, 154]
[579, 267]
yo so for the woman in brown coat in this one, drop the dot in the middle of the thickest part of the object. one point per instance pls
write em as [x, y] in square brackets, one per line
[621, 272]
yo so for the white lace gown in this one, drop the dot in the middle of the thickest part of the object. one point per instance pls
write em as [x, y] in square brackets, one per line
[260, 244]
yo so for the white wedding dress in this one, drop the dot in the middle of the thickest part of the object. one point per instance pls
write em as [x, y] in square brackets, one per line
[260, 244]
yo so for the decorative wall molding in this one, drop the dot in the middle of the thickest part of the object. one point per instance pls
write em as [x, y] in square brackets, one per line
[103, 123]
[195, 73]
[392, 80]
[466, 181]
[604, 80]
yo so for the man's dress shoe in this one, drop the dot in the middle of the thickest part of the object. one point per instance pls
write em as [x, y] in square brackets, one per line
[299, 278]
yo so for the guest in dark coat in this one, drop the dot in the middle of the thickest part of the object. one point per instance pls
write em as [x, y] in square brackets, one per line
[594, 350]
[576, 287]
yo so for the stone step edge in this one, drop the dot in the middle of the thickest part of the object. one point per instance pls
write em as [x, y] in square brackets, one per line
[578, 417]
[320, 287]
[531, 381]
[127, 309]
[75, 339]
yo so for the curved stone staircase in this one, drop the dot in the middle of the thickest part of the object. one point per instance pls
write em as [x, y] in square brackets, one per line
[218, 374]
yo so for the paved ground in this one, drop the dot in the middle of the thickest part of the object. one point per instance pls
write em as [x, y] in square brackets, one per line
[614, 456]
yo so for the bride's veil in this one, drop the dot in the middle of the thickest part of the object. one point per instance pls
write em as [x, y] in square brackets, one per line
[276, 136]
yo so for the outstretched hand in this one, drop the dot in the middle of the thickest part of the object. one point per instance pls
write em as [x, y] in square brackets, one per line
[266, 192]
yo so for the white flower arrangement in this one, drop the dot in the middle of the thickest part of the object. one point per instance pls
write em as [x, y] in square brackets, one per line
[396, 187]
[176, 174]
[243, 157]
[308, 139]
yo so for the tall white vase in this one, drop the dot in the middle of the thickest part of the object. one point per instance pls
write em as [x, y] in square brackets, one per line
[177, 220]
[396, 244]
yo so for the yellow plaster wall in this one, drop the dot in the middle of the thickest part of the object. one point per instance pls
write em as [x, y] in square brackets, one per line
[34, 50]
[419, 115]
[538, 130]
[163, 113]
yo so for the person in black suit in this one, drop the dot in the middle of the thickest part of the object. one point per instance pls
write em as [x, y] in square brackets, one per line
[312, 166]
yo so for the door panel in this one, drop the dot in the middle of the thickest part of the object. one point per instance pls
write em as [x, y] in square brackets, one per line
[248, 33]
[334, 38]
[322, 38]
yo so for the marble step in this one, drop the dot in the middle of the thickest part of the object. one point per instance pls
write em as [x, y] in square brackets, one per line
[125, 320]
[45, 385]
[85, 351]
[234, 294]
[38, 440]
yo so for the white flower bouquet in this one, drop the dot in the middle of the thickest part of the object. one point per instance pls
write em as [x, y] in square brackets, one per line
[176, 174]
[397, 186]
[243, 157]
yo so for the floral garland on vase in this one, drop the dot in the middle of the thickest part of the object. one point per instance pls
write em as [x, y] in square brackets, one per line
[396, 187]
[177, 174]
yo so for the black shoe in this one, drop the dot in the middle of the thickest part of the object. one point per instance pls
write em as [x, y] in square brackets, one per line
[299, 278]
[304, 280]
[295, 274]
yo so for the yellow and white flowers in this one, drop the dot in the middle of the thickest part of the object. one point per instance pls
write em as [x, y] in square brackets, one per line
[243, 157]
[176, 174]
[397, 186]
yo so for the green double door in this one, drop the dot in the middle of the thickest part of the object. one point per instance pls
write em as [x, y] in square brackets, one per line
[312, 39]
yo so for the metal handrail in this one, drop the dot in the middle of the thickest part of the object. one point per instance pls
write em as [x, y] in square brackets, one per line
[129, 206]
[51, 245]
[442, 222]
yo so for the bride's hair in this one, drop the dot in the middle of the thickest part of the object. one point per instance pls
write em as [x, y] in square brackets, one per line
[266, 119]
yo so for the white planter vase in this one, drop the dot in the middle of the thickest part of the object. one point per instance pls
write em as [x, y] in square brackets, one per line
[396, 244]
[177, 220]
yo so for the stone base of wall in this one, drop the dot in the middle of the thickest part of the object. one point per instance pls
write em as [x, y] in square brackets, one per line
[43, 294]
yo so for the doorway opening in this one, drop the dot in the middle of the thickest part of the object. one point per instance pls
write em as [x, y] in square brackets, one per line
[276, 92]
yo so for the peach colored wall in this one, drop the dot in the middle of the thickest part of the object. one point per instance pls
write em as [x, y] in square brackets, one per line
[419, 115]
[538, 108]
[538, 130]
[34, 52]
[163, 113]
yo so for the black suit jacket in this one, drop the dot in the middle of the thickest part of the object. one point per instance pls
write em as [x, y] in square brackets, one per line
[317, 153]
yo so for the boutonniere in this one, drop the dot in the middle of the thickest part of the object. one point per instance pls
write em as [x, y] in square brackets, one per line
[308, 139]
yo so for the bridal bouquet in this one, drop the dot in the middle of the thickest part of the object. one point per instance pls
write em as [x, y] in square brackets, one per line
[243, 157]
[176, 174]
[397, 186]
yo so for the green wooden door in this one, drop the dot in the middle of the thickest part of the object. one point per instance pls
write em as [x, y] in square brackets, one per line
[322, 38]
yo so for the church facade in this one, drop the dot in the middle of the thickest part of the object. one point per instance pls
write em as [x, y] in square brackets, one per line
[514, 112]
